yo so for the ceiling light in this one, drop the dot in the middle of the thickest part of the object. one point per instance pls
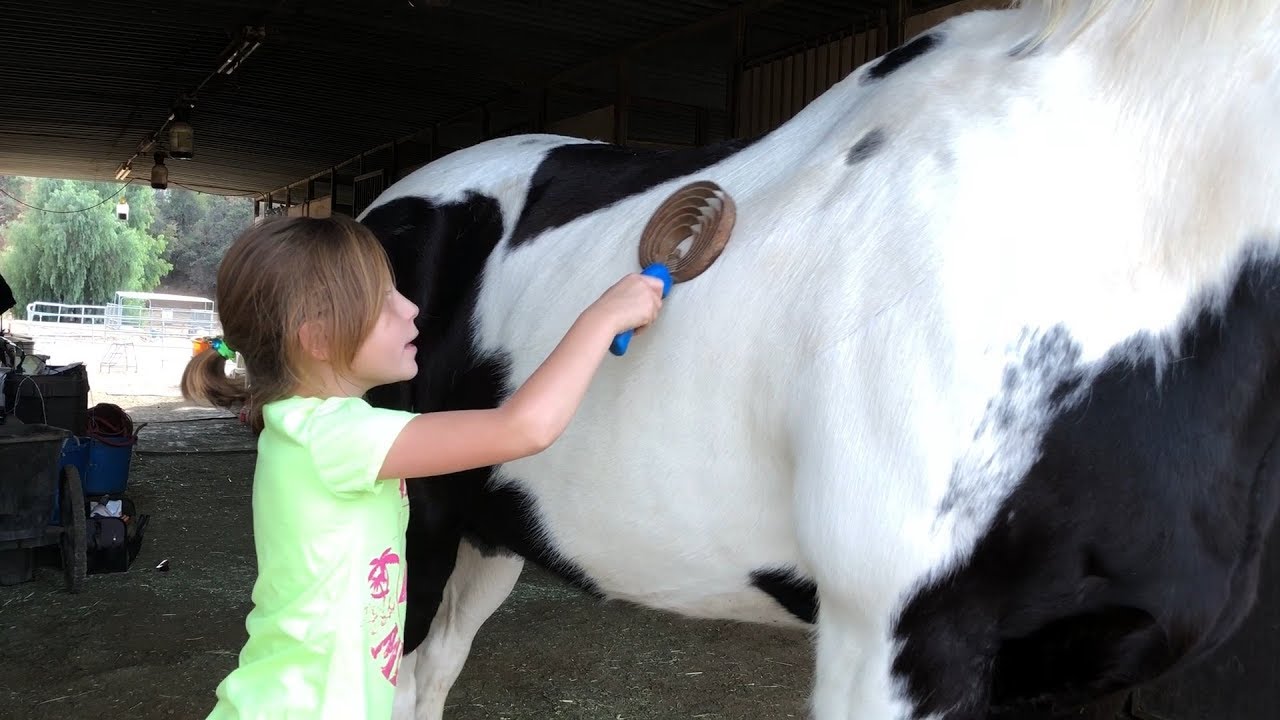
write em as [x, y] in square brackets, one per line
[181, 140]
[159, 173]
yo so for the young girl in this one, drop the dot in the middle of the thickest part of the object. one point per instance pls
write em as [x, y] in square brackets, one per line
[310, 305]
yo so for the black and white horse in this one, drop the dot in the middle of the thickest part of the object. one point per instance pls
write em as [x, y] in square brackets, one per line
[983, 390]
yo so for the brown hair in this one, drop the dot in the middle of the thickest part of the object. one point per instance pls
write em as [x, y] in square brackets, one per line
[277, 276]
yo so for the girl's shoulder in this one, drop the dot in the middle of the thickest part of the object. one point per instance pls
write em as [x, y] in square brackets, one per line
[299, 411]
[344, 438]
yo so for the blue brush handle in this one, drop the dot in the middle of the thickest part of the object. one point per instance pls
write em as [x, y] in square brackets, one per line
[623, 339]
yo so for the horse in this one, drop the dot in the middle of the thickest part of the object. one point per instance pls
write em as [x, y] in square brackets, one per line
[981, 395]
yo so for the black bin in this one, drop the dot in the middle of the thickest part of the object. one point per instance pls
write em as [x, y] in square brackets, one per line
[28, 478]
[60, 399]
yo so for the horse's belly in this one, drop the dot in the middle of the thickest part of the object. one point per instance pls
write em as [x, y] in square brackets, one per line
[673, 512]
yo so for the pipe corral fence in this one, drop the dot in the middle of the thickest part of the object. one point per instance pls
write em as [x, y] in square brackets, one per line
[148, 314]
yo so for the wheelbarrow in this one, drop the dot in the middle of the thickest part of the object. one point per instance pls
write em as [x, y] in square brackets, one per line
[30, 481]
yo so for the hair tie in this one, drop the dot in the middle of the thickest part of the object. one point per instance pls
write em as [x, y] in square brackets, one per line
[220, 346]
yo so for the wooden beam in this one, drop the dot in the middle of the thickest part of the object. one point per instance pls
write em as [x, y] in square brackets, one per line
[896, 20]
[737, 50]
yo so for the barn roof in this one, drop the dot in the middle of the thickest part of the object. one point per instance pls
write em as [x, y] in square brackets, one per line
[86, 84]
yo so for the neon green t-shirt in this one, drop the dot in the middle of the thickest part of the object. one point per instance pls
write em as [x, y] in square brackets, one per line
[325, 632]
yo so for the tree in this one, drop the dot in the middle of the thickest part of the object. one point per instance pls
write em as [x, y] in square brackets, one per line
[12, 189]
[67, 253]
[200, 228]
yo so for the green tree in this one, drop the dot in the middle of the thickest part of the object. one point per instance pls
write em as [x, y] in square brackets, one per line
[12, 189]
[71, 254]
[200, 227]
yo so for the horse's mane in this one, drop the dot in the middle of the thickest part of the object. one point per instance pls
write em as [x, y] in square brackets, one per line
[1058, 23]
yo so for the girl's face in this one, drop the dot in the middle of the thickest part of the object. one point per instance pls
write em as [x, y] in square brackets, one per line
[387, 354]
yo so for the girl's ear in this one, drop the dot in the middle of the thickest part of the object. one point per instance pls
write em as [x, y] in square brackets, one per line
[314, 344]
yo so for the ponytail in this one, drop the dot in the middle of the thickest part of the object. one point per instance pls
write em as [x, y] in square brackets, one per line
[205, 381]
[278, 275]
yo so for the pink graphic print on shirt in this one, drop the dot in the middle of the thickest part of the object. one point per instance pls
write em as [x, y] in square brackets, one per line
[379, 582]
[382, 623]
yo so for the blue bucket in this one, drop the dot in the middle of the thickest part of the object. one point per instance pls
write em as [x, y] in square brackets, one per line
[75, 452]
[108, 465]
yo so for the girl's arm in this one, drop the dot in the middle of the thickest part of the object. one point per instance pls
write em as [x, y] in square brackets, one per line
[539, 411]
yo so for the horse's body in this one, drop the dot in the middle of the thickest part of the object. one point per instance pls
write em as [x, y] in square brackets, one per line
[985, 384]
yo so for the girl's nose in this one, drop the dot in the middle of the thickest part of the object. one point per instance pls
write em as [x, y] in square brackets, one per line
[409, 307]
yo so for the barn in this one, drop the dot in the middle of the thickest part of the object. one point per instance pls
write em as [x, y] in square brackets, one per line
[314, 108]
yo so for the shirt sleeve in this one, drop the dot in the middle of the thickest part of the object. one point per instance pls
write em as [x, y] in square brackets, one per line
[349, 439]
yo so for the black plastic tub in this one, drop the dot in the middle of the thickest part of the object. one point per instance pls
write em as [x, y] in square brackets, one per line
[28, 478]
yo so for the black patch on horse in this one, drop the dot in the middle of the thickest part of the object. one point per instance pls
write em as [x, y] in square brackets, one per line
[437, 253]
[798, 595]
[896, 58]
[869, 145]
[1132, 546]
[579, 179]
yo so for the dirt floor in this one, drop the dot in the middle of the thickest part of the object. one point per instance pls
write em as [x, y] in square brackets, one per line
[154, 644]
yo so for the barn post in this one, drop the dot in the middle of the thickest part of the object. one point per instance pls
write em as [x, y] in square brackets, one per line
[621, 105]
[894, 27]
[737, 44]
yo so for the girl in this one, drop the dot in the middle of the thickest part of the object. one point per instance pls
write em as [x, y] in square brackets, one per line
[310, 305]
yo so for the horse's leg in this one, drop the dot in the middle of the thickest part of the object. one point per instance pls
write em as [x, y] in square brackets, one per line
[476, 587]
[851, 671]
[873, 661]
[406, 697]
[867, 486]
[848, 544]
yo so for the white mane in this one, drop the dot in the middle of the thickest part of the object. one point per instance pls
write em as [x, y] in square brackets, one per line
[1171, 22]
[1193, 85]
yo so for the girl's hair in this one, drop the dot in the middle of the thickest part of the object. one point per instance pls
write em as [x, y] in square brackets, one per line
[276, 277]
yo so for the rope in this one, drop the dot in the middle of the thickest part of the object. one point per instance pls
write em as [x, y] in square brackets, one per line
[689, 230]
[110, 425]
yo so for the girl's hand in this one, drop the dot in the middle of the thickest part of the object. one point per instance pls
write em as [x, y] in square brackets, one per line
[540, 409]
[632, 303]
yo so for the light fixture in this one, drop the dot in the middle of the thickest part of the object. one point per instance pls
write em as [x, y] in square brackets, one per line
[122, 210]
[247, 40]
[181, 139]
[181, 136]
[159, 173]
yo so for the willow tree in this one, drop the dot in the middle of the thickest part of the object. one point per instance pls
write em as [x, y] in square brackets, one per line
[73, 249]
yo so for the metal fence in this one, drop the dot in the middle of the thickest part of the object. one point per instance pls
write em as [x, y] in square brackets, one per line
[115, 317]
[63, 313]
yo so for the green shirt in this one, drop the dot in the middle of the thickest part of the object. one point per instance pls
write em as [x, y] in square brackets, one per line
[325, 631]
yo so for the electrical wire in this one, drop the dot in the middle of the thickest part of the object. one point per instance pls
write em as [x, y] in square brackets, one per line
[126, 184]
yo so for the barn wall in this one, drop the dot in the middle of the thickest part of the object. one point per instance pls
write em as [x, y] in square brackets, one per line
[666, 103]
[773, 91]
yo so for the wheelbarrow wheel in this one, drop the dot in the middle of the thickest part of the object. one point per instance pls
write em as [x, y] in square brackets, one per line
[74, 562]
